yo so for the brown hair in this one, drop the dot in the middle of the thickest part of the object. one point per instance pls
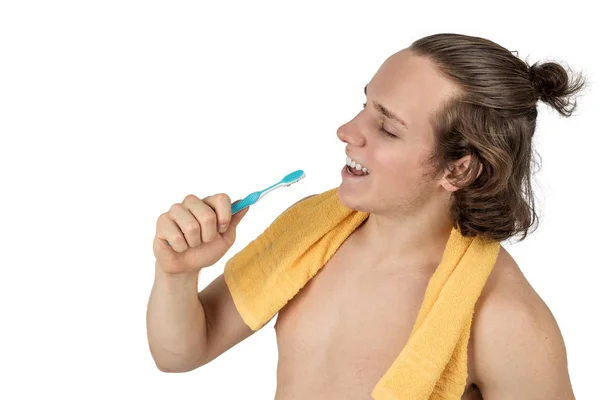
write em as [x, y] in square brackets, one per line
[493, 120]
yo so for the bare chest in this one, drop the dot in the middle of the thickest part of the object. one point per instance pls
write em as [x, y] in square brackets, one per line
[340, 334]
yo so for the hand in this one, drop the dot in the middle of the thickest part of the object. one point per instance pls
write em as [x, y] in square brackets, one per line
[189, 237]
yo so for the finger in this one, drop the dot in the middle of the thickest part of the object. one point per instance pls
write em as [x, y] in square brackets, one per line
[235, 220]
[221, 203]
[167, 229]
[230, 234]
[186, 222]
[205, 216]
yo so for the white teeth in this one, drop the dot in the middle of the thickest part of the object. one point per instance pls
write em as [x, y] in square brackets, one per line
[356, 165]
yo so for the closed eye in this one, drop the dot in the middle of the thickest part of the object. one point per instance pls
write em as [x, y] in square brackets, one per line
[383, 131]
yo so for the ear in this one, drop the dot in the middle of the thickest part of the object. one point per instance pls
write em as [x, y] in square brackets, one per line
[455, 171]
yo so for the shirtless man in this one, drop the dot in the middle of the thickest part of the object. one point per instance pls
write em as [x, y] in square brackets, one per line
[338, 336]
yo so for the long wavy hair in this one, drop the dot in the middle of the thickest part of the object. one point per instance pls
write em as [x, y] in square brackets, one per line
[493, 120]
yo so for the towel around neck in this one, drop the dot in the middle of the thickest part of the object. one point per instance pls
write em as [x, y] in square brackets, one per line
[272, 269]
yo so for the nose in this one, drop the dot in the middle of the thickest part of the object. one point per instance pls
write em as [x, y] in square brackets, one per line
[350, 133]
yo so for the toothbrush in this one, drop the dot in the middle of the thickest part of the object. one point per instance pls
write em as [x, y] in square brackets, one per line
[253, 197]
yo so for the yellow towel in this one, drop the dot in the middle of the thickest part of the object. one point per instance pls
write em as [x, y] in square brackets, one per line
[272, 269]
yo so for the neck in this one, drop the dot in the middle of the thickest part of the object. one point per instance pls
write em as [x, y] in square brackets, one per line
[408, 238]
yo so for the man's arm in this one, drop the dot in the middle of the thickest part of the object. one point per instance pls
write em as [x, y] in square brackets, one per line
[187, 329]
[518, 351]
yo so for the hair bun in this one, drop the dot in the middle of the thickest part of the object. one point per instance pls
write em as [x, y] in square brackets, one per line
[553, 86]
[549, 79]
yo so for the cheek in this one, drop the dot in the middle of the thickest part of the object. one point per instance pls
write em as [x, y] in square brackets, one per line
[401, 167]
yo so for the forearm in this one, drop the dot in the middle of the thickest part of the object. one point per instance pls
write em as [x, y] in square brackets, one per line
[176, 324]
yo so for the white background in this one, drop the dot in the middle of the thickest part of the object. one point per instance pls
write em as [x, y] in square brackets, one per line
[111, 111]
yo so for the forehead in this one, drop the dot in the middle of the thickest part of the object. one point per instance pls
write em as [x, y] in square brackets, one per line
[411, 86]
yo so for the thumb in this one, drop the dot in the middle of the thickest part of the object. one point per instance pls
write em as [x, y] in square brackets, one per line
[230, 233]
[235, 220]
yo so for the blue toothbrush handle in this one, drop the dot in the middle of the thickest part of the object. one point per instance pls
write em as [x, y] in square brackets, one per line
[245, 202]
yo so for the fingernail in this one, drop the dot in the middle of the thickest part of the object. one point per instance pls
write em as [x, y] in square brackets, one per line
[222, 228]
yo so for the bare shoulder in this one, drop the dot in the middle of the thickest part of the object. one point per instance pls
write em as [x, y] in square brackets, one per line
[507, 286]
[516, 346]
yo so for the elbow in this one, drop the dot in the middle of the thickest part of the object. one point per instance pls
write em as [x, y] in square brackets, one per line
[175, 363]
[180, 367]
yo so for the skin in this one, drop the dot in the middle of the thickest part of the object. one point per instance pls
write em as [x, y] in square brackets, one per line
[409, 210]
[516, 350]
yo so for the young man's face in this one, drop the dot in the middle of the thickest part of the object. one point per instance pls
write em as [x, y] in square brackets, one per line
[412, 89]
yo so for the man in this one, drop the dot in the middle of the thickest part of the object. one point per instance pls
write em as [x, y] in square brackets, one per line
[444, 139]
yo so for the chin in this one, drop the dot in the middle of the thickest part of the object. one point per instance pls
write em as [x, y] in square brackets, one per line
[351, 201]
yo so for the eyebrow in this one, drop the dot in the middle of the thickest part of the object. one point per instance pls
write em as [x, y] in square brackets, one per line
[386, 112]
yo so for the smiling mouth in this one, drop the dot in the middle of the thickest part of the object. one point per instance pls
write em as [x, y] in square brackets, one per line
[356, 168]
[355, 172]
